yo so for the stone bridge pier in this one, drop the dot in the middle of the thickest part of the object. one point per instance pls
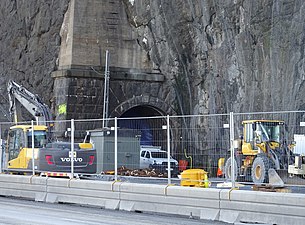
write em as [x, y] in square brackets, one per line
[136, 85]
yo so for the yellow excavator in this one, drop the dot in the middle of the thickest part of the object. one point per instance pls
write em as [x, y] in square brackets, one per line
[263, 146]
[48, 155]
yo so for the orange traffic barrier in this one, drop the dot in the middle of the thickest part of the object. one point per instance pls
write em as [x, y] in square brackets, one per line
[183, 165]
[221, 162]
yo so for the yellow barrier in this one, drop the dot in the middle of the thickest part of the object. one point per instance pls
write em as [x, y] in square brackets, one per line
[194, 178]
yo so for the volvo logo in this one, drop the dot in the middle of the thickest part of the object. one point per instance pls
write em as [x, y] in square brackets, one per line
[69, 159]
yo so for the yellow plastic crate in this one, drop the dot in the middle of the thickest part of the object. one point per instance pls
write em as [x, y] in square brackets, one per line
[194, 178]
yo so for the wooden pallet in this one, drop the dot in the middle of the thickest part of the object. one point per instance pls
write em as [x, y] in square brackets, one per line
[269, 188]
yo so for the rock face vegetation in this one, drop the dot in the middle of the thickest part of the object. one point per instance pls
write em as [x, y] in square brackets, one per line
[217, 55]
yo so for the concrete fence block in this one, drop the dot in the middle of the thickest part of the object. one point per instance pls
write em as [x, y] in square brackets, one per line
[23, 186]
[264, 197]
[161, 208]
[263, 202]
[207, 199]
[85, 200]
[261, 207]
[146, 189]
[41, 183]
[94, 185]
[18, 193]
[246, 217]
[199, 202]
[59, 182]
[40, 196]
[35, 180]
[84, 192]
[189, 192]
[127, 205]
[210, 213]
[51, 198]
[94, 193]
[13, 178]
[229, 216]
[38, 180]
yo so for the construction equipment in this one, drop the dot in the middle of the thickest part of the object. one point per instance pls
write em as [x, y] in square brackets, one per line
[48, 155]
[53, 156]
[298, 167]
[263, 146]
[128, 148]
[20, 96]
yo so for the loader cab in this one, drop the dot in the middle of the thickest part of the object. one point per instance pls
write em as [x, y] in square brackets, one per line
[258, 132]
[19, 144]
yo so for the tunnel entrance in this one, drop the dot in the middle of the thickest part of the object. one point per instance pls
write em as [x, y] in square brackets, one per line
[147, 121]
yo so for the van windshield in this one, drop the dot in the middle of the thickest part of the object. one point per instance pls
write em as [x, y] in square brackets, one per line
[158, 154]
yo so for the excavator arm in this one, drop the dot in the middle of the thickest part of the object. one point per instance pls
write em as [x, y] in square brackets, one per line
[20, 96]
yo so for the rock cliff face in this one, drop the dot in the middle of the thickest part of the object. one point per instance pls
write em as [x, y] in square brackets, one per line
[217, 55]
[29, 45]
[225, 55]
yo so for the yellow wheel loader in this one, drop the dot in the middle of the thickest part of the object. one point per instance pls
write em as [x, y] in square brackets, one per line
[263, 146]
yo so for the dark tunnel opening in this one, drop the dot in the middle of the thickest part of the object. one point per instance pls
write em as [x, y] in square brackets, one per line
[148, 121]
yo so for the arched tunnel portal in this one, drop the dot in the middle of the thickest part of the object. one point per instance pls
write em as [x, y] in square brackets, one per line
[148, 121]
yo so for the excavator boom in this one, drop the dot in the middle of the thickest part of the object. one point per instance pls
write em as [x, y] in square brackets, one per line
[20, 96]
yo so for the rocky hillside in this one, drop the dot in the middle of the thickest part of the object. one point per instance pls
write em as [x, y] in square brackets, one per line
[217, 55]
[226, 55]
[29, 45]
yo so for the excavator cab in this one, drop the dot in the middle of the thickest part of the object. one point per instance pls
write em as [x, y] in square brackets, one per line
[19, 145]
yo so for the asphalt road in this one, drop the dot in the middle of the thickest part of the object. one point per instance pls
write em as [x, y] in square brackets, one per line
[16, 212]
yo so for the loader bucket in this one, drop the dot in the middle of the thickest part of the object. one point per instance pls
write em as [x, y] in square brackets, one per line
[274, 179]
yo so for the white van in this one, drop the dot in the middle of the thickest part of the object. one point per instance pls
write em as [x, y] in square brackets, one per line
[154, 157]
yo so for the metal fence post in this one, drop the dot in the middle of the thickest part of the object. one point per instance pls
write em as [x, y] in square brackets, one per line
[1, 156]
[115, 148]
[33, 153]
[1, 151]
[168, 153]
[232, 150]
[72, 148]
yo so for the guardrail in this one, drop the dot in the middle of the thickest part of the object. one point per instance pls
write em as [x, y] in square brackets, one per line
[212, 204]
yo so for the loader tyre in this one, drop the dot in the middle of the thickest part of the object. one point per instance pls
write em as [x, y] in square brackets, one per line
[260, 168]
[228, 171]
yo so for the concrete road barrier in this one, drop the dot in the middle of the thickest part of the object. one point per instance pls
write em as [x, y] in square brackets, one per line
[84, 192]
[185, 201]
[23, 186]
[262, 207]
[234, 206]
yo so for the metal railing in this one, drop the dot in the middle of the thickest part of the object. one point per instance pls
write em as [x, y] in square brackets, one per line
[158, 149]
